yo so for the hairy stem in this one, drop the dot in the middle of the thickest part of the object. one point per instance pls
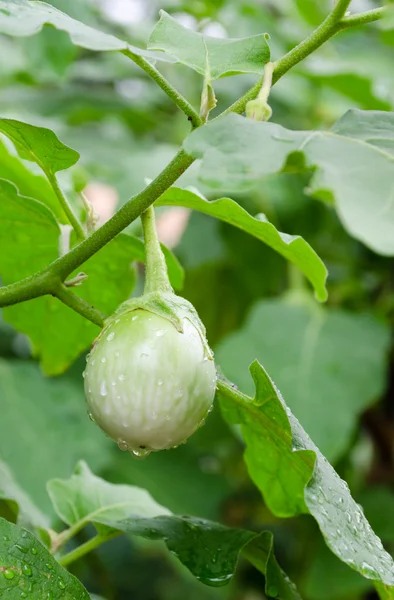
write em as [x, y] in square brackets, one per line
[73, 219]
[65, 295]
[166, 86]
[42, 283]
[362, 18]
[156, 274]
[88, 546]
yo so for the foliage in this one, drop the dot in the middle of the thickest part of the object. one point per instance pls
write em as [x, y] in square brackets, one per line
[98, 123]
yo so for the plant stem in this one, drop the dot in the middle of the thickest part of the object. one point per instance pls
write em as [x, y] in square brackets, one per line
[88, 546]
[335, 22]
[65, 295]
[43, 282]
[156, 274]
[166, 86]
[73, 219]
[267, 82]
[362, 18]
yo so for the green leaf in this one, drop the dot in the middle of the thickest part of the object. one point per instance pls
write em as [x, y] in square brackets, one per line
[209, 550]
[44, 421]
[85, 498]
[23, 18]
[21, 508]
[356, 171]
[293, 248]
[211, 57]
[287, 460]
[28, 183]
[39, 145]
[28, 570]
[330, 364]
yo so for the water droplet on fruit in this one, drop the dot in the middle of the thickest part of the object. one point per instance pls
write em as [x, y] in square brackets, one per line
[160, 332]
[201, 423]
[110, 337]
[103, 360]
[123, 445]
[159, 382]
[34, 550]
[93, 362]
[179, 394]
[154, 416]
[87, 356]
[122, 377]
[103, 388]
[91, 417]
[168, 418]
[27, 570]
[140, 452]
[84, 374]
[117, 354]
[134, 318]
[144, 354]
[210, 409]
[61, 584]
[113, 383]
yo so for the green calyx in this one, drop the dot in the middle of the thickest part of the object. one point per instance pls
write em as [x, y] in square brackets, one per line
[258, 110]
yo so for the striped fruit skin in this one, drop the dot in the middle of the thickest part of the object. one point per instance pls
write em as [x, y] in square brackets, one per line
[147, 385]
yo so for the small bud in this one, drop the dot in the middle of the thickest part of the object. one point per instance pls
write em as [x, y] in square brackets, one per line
[258, 110]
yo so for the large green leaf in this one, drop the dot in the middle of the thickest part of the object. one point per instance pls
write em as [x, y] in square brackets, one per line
[209, 550]
[330, 364]
[28, 570]
[354, 170]
[30, 239]
[40, 145]
[289, 460]
[17, 503]
[23, 18]
[209, 56]
[44, 422]
[294, 248]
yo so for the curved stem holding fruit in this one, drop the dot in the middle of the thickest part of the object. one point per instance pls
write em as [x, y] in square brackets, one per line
[156, 274]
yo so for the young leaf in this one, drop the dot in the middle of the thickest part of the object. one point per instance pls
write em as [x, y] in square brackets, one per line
[209, 550]
[28, 570]
[290, 457]
[39, 145]
[23, 18]
[330, 364]
[355, 170]
[211, 57]
[293, 248]
[21, 508]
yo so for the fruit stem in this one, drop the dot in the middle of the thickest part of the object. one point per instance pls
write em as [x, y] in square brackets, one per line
[156, 274]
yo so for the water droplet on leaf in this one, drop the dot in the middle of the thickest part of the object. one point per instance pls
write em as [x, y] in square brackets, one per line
[26, 570]
[9, 574]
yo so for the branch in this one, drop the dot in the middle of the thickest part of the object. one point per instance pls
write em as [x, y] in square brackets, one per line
[73, 219]
[166, 86]
[362, 18]
[334, 23]
[65, 295]
[46, 281]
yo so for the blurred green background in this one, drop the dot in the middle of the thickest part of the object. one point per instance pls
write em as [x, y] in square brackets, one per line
[253, 304]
